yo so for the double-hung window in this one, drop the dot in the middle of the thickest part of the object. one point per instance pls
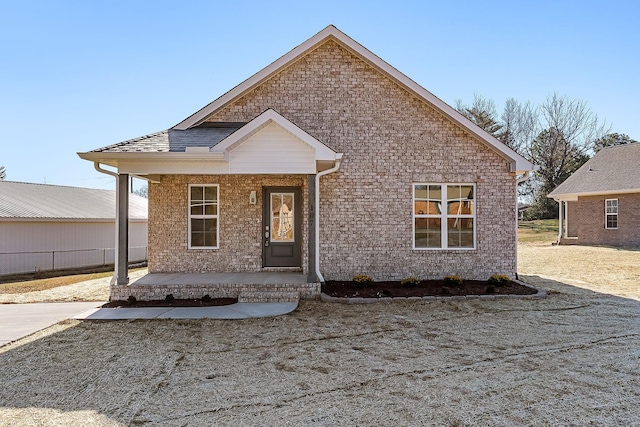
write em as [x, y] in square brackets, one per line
[611, 213]
[444, 216]
[203, 216]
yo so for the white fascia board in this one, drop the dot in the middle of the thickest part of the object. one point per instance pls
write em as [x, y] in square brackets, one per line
[322, 152]
[518, 163]
[572, 197]
[113, 159]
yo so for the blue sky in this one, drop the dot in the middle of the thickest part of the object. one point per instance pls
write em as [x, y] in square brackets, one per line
[77, 75]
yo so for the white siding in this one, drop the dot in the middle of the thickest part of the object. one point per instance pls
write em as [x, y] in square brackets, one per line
[272, 150]
[27, 246]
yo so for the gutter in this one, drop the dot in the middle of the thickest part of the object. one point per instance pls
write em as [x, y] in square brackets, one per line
[317, 204]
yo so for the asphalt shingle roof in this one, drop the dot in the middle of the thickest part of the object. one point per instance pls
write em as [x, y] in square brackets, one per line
[611, 170]
[172, 140]
[42, 201]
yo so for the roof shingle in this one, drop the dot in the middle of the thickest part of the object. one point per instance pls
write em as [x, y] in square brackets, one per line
[172, 140]
[612, 169]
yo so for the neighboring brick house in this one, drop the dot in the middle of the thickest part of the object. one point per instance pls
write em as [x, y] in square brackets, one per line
[332, 162]
[600, 202]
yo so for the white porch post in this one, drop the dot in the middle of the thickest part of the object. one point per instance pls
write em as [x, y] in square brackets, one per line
[122, 229]
[560, 220]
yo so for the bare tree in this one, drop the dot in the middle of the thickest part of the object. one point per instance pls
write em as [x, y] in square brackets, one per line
[481, 112]
[142, 192]
[3, 173]
[558, 135]
[569, 130]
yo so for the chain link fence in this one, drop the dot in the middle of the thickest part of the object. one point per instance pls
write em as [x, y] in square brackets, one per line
[29, 262]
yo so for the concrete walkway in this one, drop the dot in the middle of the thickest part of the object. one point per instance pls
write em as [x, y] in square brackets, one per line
[241, 310]
[19, 320]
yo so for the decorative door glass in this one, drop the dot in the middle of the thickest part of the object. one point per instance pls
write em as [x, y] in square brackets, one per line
[282, 217]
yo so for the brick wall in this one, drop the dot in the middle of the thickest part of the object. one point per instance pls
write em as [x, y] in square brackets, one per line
[390, 139]
[589, 219]
[240, 238]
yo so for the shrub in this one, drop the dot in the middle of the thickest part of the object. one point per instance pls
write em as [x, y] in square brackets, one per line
[498, 280]
[131, 300]
[491, 289]
[363, 280]
[409, 282]
[169, 298]
[206, 298]
[454, 281]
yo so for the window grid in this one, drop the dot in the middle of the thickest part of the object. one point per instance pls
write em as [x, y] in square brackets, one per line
[453, 227]
[611, 214]
[203, 224]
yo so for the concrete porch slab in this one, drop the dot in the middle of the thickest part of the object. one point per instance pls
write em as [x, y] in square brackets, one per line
[256, 278]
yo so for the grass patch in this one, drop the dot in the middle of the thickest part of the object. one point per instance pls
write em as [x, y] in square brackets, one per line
[538, 231]
[24, 286]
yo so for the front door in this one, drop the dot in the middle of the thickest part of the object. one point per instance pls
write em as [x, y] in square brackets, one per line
[282, 227]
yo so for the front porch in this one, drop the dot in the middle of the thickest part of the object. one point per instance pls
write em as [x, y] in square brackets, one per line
[263, 286]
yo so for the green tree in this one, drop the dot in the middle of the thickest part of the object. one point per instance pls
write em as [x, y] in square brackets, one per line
[481, 112]
[612, 139]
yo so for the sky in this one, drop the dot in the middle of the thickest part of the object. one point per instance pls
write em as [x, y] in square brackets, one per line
[78, 75]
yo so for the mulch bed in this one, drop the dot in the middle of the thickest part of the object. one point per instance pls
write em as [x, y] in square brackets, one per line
[174, 303]
[348, 289]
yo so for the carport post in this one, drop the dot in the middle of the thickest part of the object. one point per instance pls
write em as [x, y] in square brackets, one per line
[122, 229]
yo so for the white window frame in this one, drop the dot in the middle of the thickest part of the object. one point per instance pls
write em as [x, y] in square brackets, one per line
[607, 213]
[444, 216]
[216, 216]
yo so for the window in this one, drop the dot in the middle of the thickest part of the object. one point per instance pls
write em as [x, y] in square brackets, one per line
[611, 213]
[444, 216]
[203, 216]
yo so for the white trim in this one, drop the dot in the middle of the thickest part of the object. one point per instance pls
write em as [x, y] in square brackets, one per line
[518, 163]
[322, 152]
[606, 214]
[573, 197]
[443, 216]
[216, 216]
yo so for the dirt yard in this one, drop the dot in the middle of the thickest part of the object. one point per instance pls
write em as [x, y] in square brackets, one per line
[570, 359]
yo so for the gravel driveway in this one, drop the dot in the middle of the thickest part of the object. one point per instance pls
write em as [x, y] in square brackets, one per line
[570, 359]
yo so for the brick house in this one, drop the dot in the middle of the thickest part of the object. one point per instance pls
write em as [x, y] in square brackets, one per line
[600, 203]
[329, 162]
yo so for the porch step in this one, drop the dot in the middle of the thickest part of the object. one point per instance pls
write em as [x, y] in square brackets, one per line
[268, 296]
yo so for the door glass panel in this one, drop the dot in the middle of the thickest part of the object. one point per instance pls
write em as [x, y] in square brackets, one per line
[282, 217]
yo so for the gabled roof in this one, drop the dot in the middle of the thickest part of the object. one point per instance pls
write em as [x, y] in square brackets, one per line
[322, 152]
[23, 200]
[518, 163]
[613, 170]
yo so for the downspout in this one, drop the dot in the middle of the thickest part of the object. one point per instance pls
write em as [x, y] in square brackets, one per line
[96, 165]
[518, 182]
[99, 169]
[317, 209]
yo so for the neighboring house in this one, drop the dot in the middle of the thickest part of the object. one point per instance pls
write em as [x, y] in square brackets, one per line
[51, 227]
[600, 202]
[331, 162]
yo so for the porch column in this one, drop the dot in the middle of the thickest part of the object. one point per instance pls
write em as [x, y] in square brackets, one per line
[560, 220]
[311, 229]
[122, 230]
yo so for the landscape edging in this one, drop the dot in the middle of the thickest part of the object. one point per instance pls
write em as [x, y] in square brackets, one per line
[541, 293]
